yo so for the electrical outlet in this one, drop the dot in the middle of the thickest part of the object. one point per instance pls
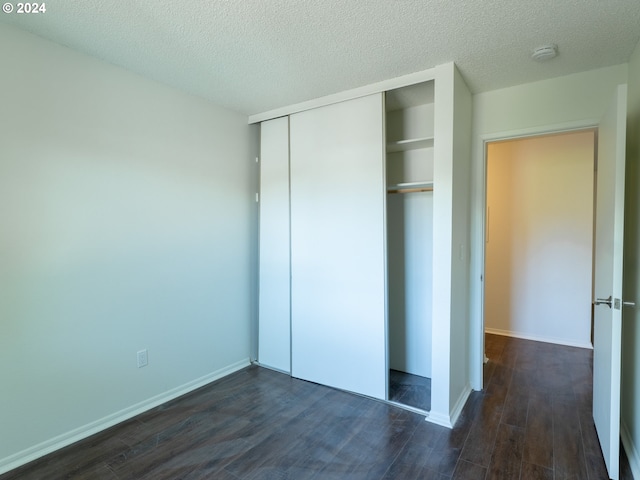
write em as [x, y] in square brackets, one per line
[143, 359]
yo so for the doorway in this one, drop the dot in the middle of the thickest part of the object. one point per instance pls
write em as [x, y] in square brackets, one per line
[539, 237]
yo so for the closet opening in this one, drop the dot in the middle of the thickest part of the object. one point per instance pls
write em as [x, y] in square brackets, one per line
[409, 118]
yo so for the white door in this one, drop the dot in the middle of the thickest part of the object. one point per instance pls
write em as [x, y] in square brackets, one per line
[337, 246]
[274, 331]
[608, 279]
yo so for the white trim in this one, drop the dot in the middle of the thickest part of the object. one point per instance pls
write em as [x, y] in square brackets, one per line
[378, 87]
[631, 450]
[32, 453]
[477, 237]
[450, 420]
[460, 403]
[559, 128]
[441, 419]
[538, 338]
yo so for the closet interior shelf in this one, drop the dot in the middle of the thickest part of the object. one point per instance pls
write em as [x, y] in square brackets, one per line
[410, 187]
[410, 144]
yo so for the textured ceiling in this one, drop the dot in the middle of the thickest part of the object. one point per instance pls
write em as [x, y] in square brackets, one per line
[257, 55]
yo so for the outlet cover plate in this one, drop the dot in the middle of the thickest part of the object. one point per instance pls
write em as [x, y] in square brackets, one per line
[143, 358]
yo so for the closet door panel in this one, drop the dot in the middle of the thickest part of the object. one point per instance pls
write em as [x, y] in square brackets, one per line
[337, 246]
[274, 331]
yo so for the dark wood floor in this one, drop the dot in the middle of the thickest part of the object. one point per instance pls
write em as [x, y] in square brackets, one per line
[408, 389]
[532, 421]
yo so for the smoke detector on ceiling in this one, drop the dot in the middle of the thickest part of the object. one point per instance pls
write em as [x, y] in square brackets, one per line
[545, 52]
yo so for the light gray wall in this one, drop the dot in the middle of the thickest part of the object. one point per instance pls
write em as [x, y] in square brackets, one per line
[409, 281]
[630, 408]
[556, 101]
[450, 325]
[127, 222]
[409, 243]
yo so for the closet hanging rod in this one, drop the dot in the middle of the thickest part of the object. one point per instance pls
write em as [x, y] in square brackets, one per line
[410, 190]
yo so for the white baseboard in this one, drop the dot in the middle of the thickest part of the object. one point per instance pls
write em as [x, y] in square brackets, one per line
[25, 456]
[459, 405]
[537, 338]
[449, 420]
[439, 418]
[631, 450]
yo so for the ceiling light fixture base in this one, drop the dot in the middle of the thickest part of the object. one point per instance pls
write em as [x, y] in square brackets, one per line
[545, 52]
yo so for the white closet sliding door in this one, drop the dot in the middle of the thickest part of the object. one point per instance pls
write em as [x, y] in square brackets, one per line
[274, 339]
[337, 246]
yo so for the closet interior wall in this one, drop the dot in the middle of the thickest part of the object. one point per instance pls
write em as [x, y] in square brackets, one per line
[409, 170]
